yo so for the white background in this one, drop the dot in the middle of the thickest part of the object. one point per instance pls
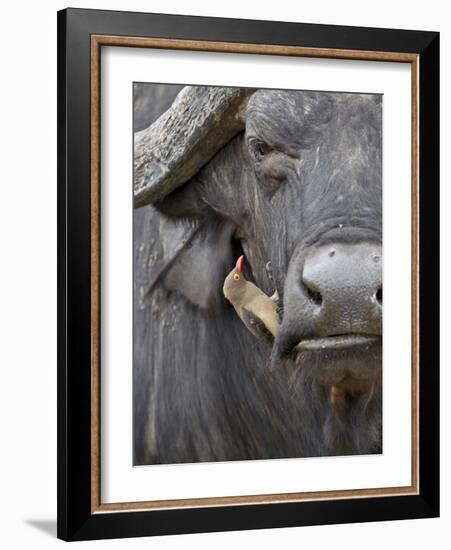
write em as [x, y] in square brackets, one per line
[28, 273]
[119, 481]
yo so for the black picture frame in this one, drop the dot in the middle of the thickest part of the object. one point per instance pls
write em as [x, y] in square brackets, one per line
[76, 519]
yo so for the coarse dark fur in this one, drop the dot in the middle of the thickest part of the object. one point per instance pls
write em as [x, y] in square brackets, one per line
[306, 171]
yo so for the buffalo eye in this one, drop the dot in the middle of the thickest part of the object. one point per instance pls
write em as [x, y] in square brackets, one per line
[259, 149]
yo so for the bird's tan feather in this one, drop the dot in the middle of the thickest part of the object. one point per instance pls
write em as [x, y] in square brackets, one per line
[245, 295]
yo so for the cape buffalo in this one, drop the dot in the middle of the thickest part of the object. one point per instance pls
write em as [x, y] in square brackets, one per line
[292, 180]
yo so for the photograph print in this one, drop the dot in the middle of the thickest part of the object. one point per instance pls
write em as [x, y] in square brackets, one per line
[257, 229]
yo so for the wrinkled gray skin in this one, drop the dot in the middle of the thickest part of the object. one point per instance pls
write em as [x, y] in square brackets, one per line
[302, 180]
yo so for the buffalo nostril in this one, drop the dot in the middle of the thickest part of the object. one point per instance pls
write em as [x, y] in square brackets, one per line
[379, 295]
[313, 295]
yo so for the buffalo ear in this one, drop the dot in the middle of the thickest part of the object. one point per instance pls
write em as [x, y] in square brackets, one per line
[199, 270]
[196, 247]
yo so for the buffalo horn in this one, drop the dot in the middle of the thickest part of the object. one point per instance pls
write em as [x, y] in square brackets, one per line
[172, 150]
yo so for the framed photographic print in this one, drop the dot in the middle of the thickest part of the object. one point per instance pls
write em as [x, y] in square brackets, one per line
[248, 274]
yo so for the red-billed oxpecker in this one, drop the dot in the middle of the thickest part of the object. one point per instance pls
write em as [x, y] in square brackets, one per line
[257, 310]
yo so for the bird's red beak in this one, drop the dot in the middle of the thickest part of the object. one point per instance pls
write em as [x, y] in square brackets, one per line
[240, 264]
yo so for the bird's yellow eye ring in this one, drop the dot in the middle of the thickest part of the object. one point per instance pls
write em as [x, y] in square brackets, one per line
[236, 277]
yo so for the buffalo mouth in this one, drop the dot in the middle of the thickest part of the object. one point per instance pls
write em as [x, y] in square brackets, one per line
[337, 342]
[336, 359]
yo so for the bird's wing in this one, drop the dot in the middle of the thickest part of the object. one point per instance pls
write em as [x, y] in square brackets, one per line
[266, 310]
[256, 326]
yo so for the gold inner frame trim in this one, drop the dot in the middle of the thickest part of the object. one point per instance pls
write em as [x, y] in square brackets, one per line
[97, 41]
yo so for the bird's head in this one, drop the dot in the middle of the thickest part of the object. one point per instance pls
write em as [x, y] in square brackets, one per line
[235, 281]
